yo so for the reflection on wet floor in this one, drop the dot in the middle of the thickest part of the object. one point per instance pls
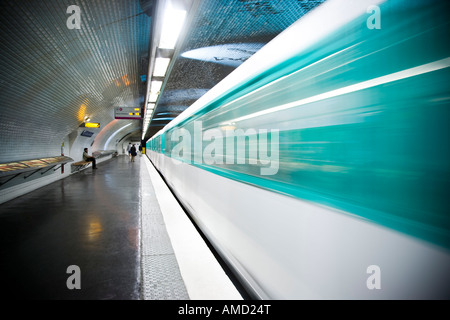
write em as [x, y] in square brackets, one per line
[90, 219]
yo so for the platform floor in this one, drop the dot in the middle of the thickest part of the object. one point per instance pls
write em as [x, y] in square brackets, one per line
[120, 225]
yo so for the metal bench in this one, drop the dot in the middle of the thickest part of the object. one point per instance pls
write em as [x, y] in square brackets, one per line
[77, 166]
[104, 153]
[80, 165]
[27, 168]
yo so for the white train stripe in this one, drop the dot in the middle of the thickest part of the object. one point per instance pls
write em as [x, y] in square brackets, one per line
[404, 74]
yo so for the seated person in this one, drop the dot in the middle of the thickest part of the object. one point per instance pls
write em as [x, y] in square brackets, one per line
[89, 158]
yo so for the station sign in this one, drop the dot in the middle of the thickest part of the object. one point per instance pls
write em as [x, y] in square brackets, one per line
[86, 133]
[128, 113]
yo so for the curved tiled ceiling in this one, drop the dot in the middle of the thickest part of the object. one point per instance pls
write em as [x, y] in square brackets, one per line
[52, 76]
[221, 36]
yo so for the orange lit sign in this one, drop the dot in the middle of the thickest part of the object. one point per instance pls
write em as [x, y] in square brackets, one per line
[92, 125]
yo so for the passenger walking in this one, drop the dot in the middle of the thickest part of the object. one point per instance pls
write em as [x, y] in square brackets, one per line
[89, 158]
[133, 152]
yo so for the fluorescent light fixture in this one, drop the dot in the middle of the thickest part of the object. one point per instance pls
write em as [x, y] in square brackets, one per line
[171, 27]
[161, 65]
[153, 97]
[156, 86]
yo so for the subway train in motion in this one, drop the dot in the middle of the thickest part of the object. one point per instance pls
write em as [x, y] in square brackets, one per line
[320, 168]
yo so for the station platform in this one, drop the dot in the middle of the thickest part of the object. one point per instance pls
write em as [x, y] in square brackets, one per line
[124, 230]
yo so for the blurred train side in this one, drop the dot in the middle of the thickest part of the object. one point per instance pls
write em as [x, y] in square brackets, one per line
[363, 175]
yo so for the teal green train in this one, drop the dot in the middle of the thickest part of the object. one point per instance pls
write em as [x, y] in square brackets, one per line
[326, 153]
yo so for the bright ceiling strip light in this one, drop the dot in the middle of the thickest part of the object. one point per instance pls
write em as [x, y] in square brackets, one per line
[161, 65]
[172, 26]
[156, 86]
[153, 96]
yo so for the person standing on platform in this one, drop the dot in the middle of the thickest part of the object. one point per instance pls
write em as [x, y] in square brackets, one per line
[133, 152]
[89, 158]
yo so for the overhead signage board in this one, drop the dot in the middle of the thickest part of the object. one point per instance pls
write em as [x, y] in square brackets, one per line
[128, 113]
